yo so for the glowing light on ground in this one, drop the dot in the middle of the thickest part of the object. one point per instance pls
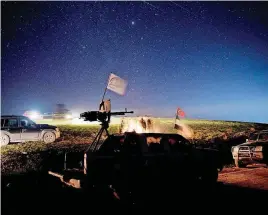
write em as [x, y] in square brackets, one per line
[139, 125]
[133, 125]
[68, 116]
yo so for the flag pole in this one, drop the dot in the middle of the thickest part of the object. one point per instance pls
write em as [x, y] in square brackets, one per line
[106, 87]
[104, 93]
[175, 121]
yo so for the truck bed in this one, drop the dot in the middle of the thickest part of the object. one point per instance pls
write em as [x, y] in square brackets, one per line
[70, 177]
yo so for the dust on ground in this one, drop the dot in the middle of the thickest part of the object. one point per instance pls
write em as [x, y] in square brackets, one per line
[254, 176]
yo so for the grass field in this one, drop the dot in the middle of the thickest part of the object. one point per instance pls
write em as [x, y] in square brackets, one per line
[28, 156]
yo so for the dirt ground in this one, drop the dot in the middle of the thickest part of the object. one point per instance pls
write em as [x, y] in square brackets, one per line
[254, 176]
[235, 185]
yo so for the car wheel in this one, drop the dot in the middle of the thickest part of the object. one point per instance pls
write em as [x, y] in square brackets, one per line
[210, 176]
[49, 137]
[4, 140]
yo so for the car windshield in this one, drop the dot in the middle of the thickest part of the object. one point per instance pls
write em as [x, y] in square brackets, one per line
[263, 136]
[253, 136]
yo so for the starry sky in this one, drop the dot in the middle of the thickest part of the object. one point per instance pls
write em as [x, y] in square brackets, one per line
[208, 58]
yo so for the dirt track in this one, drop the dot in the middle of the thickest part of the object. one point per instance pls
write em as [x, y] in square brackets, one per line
[255, 177]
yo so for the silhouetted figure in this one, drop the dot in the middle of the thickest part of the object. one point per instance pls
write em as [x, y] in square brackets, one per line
[149, 124]
[143, 123]
[122, 125]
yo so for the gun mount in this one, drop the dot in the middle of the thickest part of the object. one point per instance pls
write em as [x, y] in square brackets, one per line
[103, 116]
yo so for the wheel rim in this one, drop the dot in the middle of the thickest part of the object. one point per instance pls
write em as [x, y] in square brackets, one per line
[49, 137]
[4, 140]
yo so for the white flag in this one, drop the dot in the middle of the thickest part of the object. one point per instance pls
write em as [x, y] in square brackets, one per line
[117, 84]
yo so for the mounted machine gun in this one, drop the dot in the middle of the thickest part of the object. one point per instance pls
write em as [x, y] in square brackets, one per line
[104, 117]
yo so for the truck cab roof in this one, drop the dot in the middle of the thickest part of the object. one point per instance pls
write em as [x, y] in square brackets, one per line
[4, 116]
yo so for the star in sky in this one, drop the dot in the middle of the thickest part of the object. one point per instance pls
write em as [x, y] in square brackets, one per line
[209, 58]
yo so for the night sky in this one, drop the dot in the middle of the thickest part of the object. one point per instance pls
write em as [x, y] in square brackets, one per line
[208, 58]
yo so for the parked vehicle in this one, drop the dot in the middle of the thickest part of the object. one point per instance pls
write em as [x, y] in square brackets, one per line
[129, 164]
[254, 150]
[132, 164]
[21, 129]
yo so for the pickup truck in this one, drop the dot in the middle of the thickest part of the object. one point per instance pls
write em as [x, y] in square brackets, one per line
[129, 163]
[254, 150]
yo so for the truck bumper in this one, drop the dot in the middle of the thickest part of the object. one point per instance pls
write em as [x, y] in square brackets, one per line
[57, 134]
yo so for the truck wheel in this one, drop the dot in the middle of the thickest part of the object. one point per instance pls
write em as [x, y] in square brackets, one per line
[49, 137]
[124, 197]
[210, 176]
[4, 140]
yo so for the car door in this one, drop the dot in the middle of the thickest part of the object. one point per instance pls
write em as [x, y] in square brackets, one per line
[29, 131]
[180, 157]
[11, 125]
[156, 157]
[129, 161]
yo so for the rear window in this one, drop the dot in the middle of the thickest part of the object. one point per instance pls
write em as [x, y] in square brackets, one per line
[155, 144]
[131, 144]
[253, 137]
[11, 123]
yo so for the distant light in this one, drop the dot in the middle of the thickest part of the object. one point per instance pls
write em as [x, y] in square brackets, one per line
[68, 116]
[74, 114]
[132, 23]
[78, 121]
[33, 114]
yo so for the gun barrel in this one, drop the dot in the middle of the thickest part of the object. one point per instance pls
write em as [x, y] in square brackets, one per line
[121, 113]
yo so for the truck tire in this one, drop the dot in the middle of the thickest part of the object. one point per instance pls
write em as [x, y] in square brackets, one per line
[4, 140]
[49, 137]
[210, 176]
[125, 196]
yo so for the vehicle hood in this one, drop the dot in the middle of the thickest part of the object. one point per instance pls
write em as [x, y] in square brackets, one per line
[46, 126]
[254, 143]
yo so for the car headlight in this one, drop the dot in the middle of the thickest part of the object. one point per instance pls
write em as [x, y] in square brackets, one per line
[258, 148]
[235, 149]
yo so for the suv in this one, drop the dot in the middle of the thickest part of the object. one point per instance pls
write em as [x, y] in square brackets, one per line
[253, 150]
[22, 129]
